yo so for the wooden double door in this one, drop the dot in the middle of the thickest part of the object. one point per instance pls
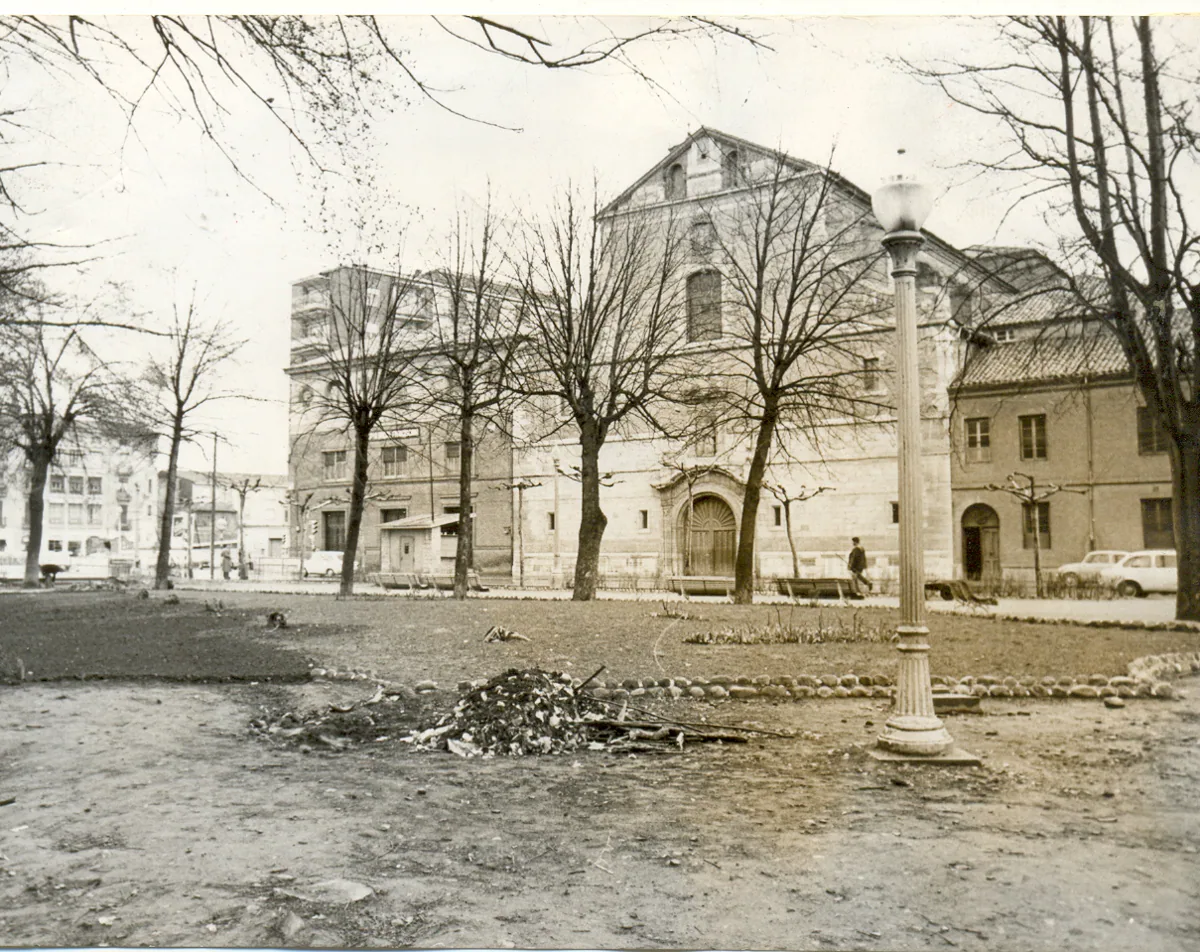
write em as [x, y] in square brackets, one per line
[709, 534]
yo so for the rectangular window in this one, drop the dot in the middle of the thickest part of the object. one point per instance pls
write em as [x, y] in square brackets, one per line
[895, 513]
[75, 514]
[777, 512]
[550, 520]
[54, 545]
[705, 442]
[72, 459]
[392, 515]
[395, 460]
[95, 515]
[1033, 436]
[1158, 526]
[58, 483]
[1151, 436]
[335, 531]
[453, 451]
[979, 439]
[373, 297]
[72, 548]
[1042, 527]
[335, 465]
[870, 374]
[75, 485]
[54, 513]
[1004, 334]
[95, 485]
[644, 516]
[704, 306]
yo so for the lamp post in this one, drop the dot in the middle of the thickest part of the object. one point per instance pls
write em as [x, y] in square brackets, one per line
[901, 206]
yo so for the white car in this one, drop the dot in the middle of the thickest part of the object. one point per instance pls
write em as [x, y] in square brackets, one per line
[322, 562]
[1139, 573]
[1072, 573]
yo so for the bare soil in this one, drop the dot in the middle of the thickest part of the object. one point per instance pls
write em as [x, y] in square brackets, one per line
[150, 814]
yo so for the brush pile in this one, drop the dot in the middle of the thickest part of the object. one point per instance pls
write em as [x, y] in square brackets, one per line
[537, 712]
[377, 719]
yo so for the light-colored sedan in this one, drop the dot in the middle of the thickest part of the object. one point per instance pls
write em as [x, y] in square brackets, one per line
[323, 562]
[1092, 564]
[1139, 573]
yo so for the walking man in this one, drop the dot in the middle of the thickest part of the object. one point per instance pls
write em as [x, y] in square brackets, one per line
[226, 563]
[857, 563]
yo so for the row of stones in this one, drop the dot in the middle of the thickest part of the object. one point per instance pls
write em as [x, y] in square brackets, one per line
[1146, 678]
[1173, 625]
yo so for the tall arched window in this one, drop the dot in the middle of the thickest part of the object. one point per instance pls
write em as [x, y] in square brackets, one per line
[731, 169]
[704, 305]
[676, 182]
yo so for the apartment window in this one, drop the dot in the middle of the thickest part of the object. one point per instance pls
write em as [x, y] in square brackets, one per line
[704, 305]
[54, 545]
[393, 515]
[54, 513]
[777, 514]
[1151, 436]
[335, 531]
[95, 485]
[75, 485]
[1158, 525]
[644, 518]
[75, 514]
[453, 451]
[58, 483]
[335, 465]
[1042, 528]
[979, 439]
[676, 182]
[395, 460]
[1033, 436]
[550, 522]
[73, 548]
[870, 374]
[95, 515]
[1004, 334]
[895, 513]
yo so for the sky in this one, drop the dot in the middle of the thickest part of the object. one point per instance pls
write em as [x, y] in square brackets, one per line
[166, 214]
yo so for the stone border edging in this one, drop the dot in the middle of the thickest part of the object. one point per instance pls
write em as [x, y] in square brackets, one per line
[1148, 677]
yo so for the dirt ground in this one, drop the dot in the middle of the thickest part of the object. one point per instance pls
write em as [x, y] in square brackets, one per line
[149, 814]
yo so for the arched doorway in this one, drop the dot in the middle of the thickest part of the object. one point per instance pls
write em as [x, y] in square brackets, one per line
[708, 537]
[981, 542]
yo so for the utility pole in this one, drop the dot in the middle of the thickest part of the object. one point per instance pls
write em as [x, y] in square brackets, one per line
[212, 518]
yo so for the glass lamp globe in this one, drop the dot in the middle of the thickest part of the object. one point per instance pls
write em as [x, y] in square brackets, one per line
[902, 203]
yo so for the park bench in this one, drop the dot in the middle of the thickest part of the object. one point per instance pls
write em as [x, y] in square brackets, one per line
[951, 589]
[701, 584]
[817, 588]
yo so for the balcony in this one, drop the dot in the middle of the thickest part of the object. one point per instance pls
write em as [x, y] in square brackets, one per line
[309, 303]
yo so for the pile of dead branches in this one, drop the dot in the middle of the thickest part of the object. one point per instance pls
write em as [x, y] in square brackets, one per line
[338, 726]
[537, 712]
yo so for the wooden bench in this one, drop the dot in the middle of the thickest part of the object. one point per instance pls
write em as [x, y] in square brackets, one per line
[842, 588]
[952, 589]
[701, 584]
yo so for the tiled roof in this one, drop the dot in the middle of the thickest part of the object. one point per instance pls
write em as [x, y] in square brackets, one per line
[1044, 359]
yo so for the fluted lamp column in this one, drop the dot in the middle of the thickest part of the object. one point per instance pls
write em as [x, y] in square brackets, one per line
[901, 205]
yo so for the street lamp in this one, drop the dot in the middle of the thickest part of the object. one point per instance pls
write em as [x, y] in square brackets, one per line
[901, 205]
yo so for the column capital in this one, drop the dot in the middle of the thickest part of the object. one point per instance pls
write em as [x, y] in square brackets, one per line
[903, 246]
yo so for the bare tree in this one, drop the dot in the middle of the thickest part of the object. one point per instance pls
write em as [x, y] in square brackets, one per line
[54, 390]
[366, 362]
[1099, 115]
[182, 381]
[603, 305]
[243, 487]
[1024, 488]
[793, 281]
[475, 345]
[786, 498]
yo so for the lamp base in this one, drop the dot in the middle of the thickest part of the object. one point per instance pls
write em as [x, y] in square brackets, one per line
[915, 735]
[951, 757]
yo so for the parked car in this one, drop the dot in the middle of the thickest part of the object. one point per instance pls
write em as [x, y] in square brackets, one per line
[322, 562]
[1139, 573]
[1090, 567]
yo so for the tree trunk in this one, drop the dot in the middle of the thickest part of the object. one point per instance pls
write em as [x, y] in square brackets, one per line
[464, 551]
[743, 567]
[787, 518]
[592, 522]
[1185, 478]
[358, 498]
[242, 573]
[162, 567]
[36, 503]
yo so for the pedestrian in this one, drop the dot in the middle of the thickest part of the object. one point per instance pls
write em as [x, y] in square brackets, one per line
[857, 563]
[226, 563]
